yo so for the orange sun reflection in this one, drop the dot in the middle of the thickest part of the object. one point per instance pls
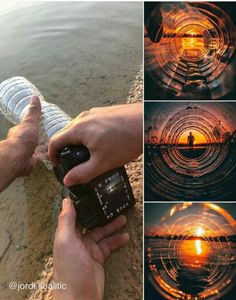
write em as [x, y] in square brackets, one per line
[194, 252]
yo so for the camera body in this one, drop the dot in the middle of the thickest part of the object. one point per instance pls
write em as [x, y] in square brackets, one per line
[101, 200]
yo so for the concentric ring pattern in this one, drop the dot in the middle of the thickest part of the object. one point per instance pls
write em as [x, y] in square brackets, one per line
[190, 252]
[172, 170]
[194, 53]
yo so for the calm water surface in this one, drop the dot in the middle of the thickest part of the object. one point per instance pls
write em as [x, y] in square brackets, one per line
[85, 53]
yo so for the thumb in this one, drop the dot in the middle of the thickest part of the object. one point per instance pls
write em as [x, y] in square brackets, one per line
[66, 227]
[84, 172]
[34, 111]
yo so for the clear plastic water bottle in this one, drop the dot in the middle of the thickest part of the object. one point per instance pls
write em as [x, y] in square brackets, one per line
[15, 95]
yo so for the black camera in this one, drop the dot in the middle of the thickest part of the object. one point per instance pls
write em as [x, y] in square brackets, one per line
[102, 199]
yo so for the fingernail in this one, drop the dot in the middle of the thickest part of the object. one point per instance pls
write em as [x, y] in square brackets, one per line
[65, 202]
[34, 99]
[124, 218]
[67, 182]
[126, 236]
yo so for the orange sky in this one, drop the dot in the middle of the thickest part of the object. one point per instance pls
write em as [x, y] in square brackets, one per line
[199, 138]
[217, 214]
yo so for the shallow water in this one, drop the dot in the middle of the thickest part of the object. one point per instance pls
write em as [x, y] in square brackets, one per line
[83, 52]
[79, 55]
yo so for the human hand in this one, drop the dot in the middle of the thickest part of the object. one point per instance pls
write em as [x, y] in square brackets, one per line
[153, 21]
[78, 259]
[112, 134]
[24, 138]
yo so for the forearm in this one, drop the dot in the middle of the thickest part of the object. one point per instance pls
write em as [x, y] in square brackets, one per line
[11, 157]
[138, 125]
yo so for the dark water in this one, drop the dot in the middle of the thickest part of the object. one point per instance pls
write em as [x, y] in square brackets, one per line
[192, 153]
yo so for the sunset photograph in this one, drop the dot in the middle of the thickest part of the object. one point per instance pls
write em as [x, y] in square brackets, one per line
[190, 251]
[189, 50]
[189, 152]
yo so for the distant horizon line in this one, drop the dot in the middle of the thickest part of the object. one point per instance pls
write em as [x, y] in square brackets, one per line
[192, 237]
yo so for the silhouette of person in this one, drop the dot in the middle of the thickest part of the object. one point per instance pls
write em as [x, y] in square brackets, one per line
[191, 140]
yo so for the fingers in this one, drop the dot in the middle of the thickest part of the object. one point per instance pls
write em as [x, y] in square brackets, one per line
[113, 243]
[41, 152]
[84, 172]
[42, 149]
[67, 137]
[66, 221]
[34, 112]
[100, 233]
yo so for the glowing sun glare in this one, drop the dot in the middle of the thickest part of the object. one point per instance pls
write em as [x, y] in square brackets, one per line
[198, 246]
[200, 231]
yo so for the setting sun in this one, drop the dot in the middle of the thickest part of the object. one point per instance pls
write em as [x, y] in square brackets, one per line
[200, 231]
[199, 138]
